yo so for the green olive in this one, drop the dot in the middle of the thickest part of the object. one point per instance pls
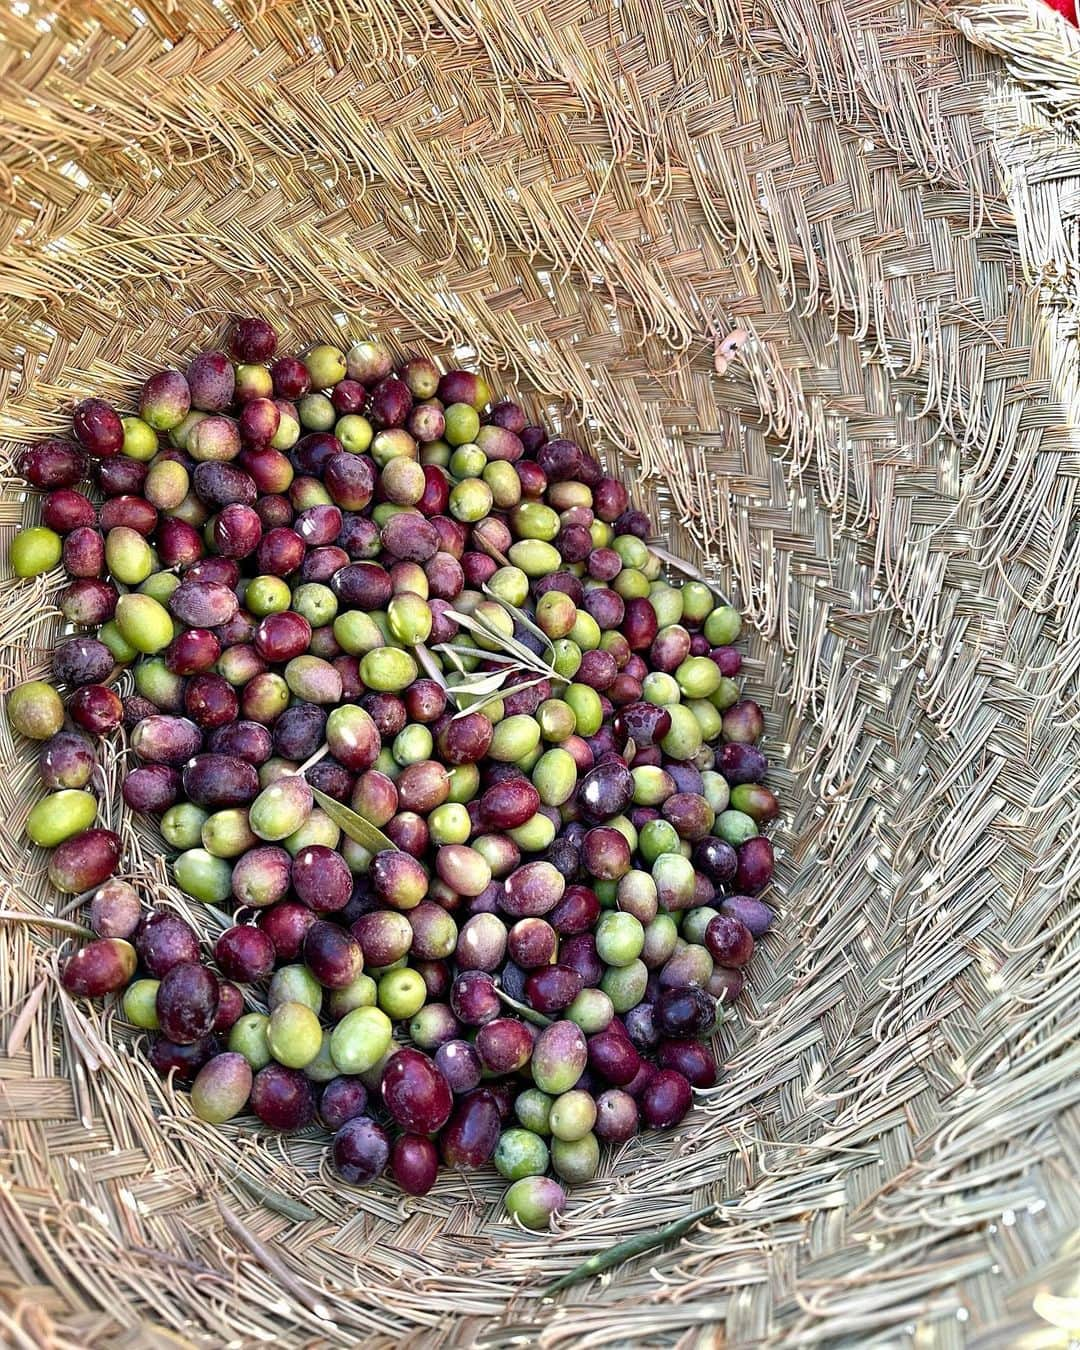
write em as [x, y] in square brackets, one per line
[667, 603]
[619, 938]
[592, 1010]
[35, 710]
[601, 533]
[119, 647]
[660, 688]
[625, 985]
[501, 477]
[533, 520]
[61, 815]
[388, 670]
[734, 827]
[723, 626]
[631, 584]
[144, 622]
[280, 808]
[181, 825]
[267, 595]
[513, 738]
[588, 710]
[316, 412]
[316, 602]
[354, 432]
[632, 551]
[449, 824]
[697, 602]
[675, 881]
[203, 877]
[566, 657]
[726, 695]
[698, 677]
[167, 484]
[536, 835]
[661, 939]
[140, 439]
[520, 1153]
[413, 744]
[557, 720]
[360, 1040]
[322, 1068]
[35, 550]
[468, 461]
[464, 782]
[326, 365]
[227, 834]
[317, 829]
[657, 837]
[363, 992]
[462, 424]
[573, 1114]
[533, 1108]
[140, 1004]
[294, 1035]
[128, 555]
[586, 632]
[695, 922]
[159, 586]
[683, 740]
[708, 718]
[409, 618]
[295, 984]
[555, 777]
[575, 1160]
[402, 993]
[358, 633]
[248, 1037]
[471, 501]
[535, 557]
[509, 584]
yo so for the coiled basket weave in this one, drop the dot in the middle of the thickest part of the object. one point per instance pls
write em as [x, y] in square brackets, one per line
[584, 198]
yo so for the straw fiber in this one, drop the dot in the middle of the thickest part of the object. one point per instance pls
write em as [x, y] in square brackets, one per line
[585, 197]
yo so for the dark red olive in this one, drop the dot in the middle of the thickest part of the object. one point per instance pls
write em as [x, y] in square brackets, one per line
[469, 1139]
[665, 1100]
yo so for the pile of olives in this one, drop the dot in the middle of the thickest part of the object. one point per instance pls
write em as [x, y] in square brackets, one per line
[305, 579]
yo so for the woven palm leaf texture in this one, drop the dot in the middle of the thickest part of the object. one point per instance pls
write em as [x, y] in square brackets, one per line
[583, 198]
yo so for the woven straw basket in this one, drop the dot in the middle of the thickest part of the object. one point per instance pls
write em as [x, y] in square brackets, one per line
[584, 198]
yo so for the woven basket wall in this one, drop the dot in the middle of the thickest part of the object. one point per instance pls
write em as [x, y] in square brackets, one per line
[587, 197]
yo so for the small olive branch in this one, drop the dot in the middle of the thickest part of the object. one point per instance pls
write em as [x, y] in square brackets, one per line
[512, 657]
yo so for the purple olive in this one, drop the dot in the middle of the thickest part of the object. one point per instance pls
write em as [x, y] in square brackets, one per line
[693, 1060]
[283, 1098]
[187, 1002]
[469, 1139]
[665, 1100]
[460, 1065]
[342, 1099]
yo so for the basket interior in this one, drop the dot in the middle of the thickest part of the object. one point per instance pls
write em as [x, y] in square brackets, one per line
[583, 201]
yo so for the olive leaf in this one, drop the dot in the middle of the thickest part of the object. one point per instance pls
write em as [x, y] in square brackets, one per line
[523, 1009]
[688, 570]
[490, 695]
[519, 616]
[526, 658]
[359, 830]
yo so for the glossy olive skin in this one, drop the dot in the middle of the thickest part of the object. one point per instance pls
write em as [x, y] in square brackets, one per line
[101, 967]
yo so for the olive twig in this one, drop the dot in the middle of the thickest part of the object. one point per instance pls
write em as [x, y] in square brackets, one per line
[623, 1251]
